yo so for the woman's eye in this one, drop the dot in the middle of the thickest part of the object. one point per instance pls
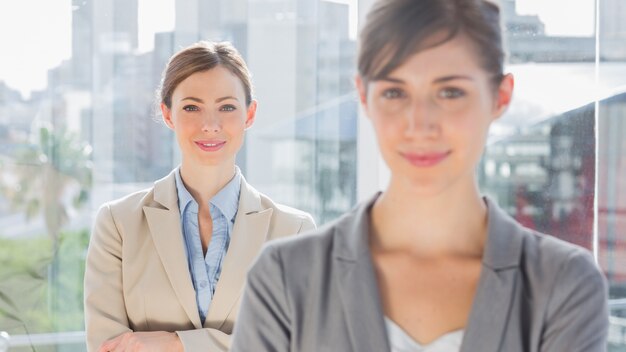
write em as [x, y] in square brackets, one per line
[228, 108]
[451, 93]
[190, 108]
[392, 93]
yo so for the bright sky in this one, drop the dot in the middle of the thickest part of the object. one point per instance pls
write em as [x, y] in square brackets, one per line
[578, 20]
[155, 16]
[35, 35]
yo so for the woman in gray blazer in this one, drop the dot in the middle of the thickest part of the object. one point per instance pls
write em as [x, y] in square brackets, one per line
[428, 264]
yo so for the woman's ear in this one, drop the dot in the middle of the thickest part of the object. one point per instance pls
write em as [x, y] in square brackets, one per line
[504, 95]
[167, 116]
[361, 90]
[251, 114]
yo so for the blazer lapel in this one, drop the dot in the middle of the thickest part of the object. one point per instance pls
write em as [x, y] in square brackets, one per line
[357, 283]
[249, 233]
[490, 311]
[165, 228]
[496, 288]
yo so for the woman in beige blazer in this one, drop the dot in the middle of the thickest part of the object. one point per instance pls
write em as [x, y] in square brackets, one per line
[166, 266]
[429, 264]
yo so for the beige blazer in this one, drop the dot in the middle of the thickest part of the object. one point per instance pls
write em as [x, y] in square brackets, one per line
[137, 277]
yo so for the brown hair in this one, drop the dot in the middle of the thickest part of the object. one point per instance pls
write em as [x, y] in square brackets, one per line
[397, 29]
[203, 56]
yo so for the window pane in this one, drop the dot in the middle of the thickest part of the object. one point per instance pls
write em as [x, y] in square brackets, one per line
[45, 176]
[90, 130]
[611, 191]
[540, 159]
[303, 65]
[78, 127]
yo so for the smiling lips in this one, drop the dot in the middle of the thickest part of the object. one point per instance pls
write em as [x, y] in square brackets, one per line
[425, 159]
[210, 145]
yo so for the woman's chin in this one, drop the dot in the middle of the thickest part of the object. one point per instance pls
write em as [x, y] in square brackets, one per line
[213, 161]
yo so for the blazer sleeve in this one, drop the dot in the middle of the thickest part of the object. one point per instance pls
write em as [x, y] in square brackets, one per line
[577, 317]
[105, 312]
[263, 323]
[211, 340]
[307, 224]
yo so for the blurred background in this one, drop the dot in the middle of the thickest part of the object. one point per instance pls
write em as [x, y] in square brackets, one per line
[78, 127]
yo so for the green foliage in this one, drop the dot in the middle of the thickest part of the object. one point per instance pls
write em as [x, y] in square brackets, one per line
[25, 290]
[23, 266]
[41, 277]
[42, 174]
[69, 288]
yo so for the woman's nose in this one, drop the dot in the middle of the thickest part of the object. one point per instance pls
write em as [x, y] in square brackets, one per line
[422, 120]
[211, 123]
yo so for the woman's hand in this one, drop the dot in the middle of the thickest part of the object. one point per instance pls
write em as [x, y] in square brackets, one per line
[143, 341]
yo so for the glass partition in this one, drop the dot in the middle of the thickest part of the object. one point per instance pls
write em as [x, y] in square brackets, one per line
[78, 127]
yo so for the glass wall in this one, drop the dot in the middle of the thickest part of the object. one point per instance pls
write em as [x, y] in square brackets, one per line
[555, 161]
[540, 160]
[78, 127]
[87, 131]
[611, 154]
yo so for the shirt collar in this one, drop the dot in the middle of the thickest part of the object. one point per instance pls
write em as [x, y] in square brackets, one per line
[226, 200]
[184, 197]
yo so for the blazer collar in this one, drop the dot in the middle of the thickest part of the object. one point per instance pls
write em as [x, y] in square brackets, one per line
[503, 248]
[250, 231]
[165, 191]
[359, 289]
[354, 228]
[165, 228]
[504, 241]
[356, 279]
[497, 284]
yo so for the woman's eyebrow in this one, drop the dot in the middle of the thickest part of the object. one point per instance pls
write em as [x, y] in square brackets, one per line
[390, 79]
[197, 100]
[453, 77]
[225, 98]
[438, 80]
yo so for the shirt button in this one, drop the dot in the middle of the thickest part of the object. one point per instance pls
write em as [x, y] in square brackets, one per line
[203, 284]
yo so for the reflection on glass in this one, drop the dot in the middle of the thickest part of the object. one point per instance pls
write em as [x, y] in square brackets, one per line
[541, 160]
[92, 134]
[546, 175]
[611, 192]
[302, 149]
[5, 338]
[102, 141]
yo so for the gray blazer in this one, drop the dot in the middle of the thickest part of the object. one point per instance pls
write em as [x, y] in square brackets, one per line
[318, 292]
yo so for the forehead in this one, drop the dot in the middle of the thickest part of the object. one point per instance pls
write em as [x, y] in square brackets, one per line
[213, 83]
[455, 56]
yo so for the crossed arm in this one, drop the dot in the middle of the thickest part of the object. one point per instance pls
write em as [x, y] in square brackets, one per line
[106, 317]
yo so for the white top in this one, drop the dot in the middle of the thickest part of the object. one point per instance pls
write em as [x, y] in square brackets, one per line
[400, 341]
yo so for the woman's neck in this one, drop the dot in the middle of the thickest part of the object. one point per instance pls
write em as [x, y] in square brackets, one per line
[204, 182]
[451, 222]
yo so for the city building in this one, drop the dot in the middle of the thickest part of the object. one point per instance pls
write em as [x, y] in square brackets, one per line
[526, 40]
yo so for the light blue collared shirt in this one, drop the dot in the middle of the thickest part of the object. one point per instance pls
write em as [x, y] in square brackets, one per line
[206, 269]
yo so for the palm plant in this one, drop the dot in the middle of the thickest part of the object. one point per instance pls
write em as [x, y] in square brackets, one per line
[50, 177]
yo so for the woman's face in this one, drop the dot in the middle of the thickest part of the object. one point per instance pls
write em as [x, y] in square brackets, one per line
[432, 115]
[209, 116]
